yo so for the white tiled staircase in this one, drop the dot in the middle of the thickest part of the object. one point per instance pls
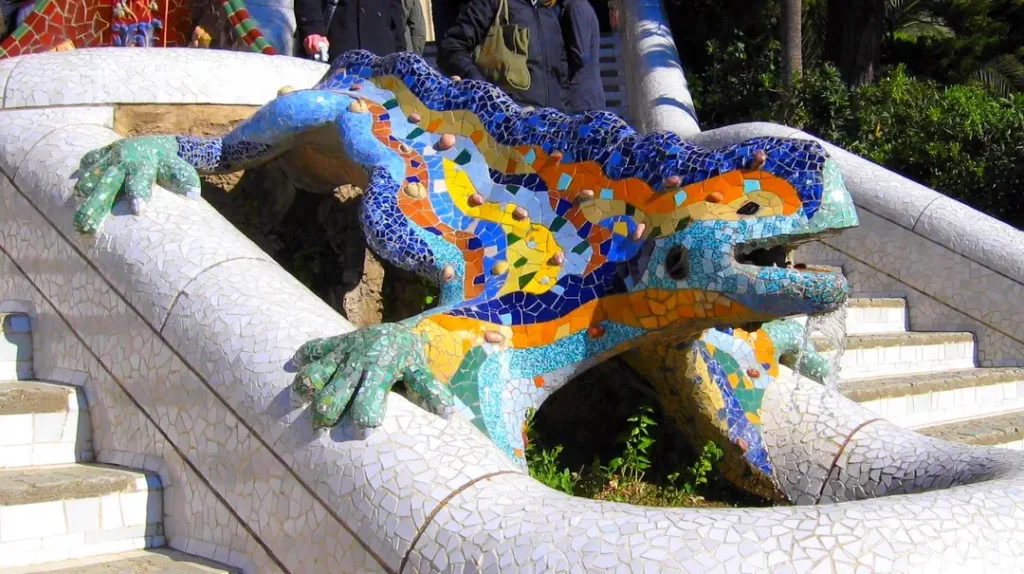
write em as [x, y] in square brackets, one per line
[58, 510]
[928, 381]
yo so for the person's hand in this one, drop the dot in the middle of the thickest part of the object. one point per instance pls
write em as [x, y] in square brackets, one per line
[312, 43]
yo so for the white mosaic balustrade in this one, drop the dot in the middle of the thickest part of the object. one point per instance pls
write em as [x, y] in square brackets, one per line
[237, 78]
[658, 94]
[195, 386]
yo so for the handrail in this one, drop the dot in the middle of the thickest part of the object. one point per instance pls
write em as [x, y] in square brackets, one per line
[658, 94]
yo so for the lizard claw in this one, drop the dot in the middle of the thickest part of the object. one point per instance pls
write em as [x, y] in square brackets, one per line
[351, 375]
[133, 165]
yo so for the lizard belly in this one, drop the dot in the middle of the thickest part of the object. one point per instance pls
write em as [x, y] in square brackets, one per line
[322, 165]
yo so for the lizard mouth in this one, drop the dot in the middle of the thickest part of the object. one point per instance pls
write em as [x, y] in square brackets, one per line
[766, 254]
[795, 288]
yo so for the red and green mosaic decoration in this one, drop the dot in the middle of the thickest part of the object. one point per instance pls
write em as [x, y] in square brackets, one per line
[93, 23]
[245, 27]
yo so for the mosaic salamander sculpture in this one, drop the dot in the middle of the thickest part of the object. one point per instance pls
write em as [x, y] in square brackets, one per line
[558, 241]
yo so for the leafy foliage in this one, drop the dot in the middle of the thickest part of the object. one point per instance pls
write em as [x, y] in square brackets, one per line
[636, 443]
[544, 464]
[697, 475]
[625, 477]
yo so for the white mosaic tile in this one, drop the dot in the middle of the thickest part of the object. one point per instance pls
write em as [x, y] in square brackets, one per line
[111, 327]
[7, 66]
[24, 128]
[162, 267]
[187, 76]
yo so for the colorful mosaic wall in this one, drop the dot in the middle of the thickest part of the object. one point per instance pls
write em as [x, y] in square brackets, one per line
[92, 23]
[558, 241]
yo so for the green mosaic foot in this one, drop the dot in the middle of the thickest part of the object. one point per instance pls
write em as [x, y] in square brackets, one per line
[790, 342]
[133, 164]
[353, 373]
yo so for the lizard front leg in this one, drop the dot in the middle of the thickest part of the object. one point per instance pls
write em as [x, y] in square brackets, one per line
[450, 365]
[174, 162]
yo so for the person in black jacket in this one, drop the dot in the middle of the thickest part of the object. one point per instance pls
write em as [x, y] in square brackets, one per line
[583, 46]
[546, 58]
[374, 25]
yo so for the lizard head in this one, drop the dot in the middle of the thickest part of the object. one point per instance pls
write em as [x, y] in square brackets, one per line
[734, 229]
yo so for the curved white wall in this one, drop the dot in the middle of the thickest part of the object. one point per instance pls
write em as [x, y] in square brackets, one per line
[658, 95]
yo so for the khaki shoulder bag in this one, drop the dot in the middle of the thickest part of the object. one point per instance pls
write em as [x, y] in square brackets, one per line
[501, 57]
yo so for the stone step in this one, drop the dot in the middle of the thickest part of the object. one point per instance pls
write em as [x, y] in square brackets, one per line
[1005, 430]
[890, 354]
[15, 346]
[874, 315]
[929, 399]
[72, 511]
[155, 561]
[42, 423]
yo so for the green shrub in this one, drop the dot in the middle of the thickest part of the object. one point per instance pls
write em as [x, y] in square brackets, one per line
[960, 140]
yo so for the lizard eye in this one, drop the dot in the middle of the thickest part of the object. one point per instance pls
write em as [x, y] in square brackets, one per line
[677, 263]
[749, 208]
